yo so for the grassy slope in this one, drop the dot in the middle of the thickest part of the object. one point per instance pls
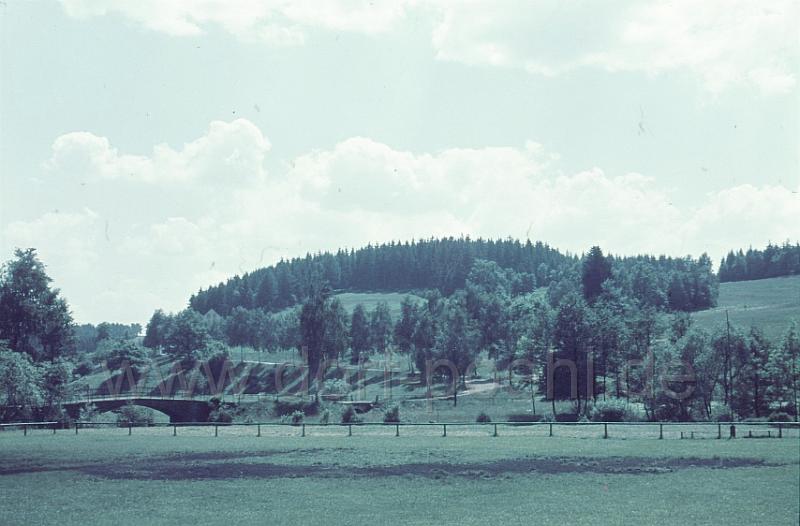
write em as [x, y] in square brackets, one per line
[767, 303]
[96, 478]
[370, 299]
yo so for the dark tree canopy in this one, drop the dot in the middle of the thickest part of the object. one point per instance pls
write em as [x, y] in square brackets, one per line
[596, 271]
[34, 318]
[771, 262]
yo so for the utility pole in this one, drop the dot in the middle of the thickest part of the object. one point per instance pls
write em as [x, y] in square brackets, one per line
[727, 372]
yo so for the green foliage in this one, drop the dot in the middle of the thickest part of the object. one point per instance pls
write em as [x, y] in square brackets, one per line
[187, 337]
[359, 334]
[392, 415]
[596, 271]
[441, 264]
[611, 410]
[119, 354]
[325, 417]
[349, 416]
[771, 262]
[522, 418]
[406, 325]
[20, 385]
[336, 386]
[295, 418]
[380, 327]
[134, 415]
[34, 319]
[721, 413]
[286, 407]
[483, 418]
[779, 416]
[335, 339]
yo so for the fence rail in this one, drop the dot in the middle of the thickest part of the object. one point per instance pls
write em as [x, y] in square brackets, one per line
[718, 430]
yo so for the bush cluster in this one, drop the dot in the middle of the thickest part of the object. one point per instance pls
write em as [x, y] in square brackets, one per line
[523, 418]
[611, 410]
[392, 415]
[349, 416]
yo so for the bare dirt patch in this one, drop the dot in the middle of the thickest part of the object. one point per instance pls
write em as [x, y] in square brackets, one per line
[206, 466]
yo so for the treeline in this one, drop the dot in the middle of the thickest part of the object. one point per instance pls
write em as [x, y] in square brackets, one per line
[772, 262]
[596, 317]
[443, 265]
[88, 337]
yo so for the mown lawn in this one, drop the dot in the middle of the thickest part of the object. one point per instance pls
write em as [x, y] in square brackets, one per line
[105, 476]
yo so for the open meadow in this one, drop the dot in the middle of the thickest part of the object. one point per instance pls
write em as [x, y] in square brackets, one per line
[100, 476]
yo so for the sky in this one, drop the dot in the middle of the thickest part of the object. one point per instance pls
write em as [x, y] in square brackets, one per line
[150, 148]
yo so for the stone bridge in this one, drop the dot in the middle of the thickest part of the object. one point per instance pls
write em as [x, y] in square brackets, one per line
[177, 409]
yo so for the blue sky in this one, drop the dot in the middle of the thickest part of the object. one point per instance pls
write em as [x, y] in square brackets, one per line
[148, 149]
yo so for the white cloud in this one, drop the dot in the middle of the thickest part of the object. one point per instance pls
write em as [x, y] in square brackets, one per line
[228, 151]
[356, 192]
[723, 43]
[275, 21]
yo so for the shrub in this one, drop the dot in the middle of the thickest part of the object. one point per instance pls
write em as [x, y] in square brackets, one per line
[84, 368]
[349, 416]
[221, 416]
[483, 418]
[779, 416]
[134, 415]
[325, 417]
[336, 386]
[522, 418]
[610, 410]
[392, 415]
[721, 413]
[286, 408]
[567, 417]
[296, 418]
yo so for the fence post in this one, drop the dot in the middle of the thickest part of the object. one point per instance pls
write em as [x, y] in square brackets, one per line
[130, 428]
[605, 430]
[719, 431]
[444, 428]
[259, 430]
[495, 430]
[551, 429]
[304, 431]
[397, 430]
[216, 431]
[174, 430]
[660, 431]
[54, 428]
[76, 427]
[780, 431]
[24, 430]
[349, 430]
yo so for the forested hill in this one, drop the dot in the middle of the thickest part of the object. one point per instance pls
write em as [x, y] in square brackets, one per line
[441, 264]
[444, 264]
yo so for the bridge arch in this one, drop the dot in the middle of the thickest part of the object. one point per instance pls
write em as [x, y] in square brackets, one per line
[178, 410]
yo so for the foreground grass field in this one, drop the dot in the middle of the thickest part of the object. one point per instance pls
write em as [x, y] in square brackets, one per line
[106, 476]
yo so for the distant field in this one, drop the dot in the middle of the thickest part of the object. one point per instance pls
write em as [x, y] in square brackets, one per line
[370, 299]
[102, 477]
[770, 304]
